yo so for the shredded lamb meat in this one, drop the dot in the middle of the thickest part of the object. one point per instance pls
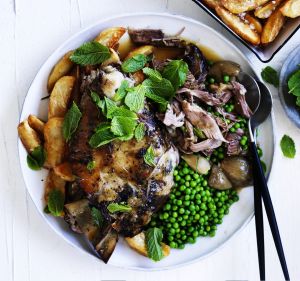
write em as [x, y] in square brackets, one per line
[233, 146]
[240, 100]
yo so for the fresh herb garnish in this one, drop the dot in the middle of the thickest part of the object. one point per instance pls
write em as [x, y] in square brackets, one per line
[46, 210]
[36, 159]
[97, 217]
[139, 132]
[134, 63]
[176, 71]
[56, 201]
[115, 207]
[110, 107]
[154, 238]
[91, 165]
[270, 75]
[149, 156]
[71, 121]
[135, 98]
[99, 102]
[121, 92]
[152, 74]
[123, 126]
[288, 146]
[90, 53]
[102, 136]
[294, 85]
[125, 112]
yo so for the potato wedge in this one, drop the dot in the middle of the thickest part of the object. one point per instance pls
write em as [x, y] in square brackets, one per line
[36, 124]
[266, 10]
[54, 142]
[212, 3]
[61, 69]
[53, 181]
[138, 244]
[272, 27]
[110, 36]
[238, 26]
[254, 22]
[28, 136]
[238, 6]
[114, 58]
[64, 171]
[60, 96]
[291, 8]
[144, 50]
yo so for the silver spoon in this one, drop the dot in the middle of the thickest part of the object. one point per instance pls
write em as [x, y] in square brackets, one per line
[260, 114]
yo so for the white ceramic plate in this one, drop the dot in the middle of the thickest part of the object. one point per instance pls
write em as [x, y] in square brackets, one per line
[240, 213]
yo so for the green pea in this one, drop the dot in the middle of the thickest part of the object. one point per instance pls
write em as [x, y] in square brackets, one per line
[185, 171]
[181, 211]
[182, 188]
[173, 245]
[211, 80]
[226, 78]
[237, 125]
[193, 183]
[232, 130]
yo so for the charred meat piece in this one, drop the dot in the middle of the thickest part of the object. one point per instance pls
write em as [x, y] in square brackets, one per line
[196, 61]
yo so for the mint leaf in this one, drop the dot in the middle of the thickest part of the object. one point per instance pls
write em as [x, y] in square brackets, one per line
[126, 138]
[90, 53]
[288, 146]
[176, 71]
[149, 156]
[152, 74]
[160, 92]
[121, 92]
[97, 217]
[71, 121]
[115, 207]
[298, 101]
[110, 107]
[123, 126]
[270, 76]
[154, 238]
[91, 165]
[56, 200]
[102, 136]
[294, 84]
[134, 63]
[135, 98]
[123, 111]
[96, 99]
[36, 159]
[139, 132]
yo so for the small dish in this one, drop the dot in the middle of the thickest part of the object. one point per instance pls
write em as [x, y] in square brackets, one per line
[266, 53]
[288, 101]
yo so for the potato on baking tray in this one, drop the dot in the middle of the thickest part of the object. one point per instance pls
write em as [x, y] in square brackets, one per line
[291, 8]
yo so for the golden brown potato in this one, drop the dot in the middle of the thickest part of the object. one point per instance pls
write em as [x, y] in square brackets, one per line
[36, 124]
[266, 10]
[254, 22]
[110, 36]
[61, 69]
[114, 58]
[138, 244]
[238, 26]
[144, 50]
[64, 171]
[53, 181]
[238, 6]
[212, 3]
[138, 77]
[60, 96]
[54, 142]
[291, 8]
[272, 27]
[28, 136]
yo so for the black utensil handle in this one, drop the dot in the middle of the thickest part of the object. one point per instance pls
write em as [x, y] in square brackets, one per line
[259, 225]
[258, 174]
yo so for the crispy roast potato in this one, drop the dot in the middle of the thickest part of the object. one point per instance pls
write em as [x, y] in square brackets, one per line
[28, 136]
[254, 22]
[266, 10]
[60, 97]
[53, 181]
[138, 77]
[238, 26]
[238, 6]
[291, 8]
[54, 142]
[114, 58]
[61, 69]
[272, 27]
[110, 36]
[212, 3]
[36, 124]
[138, 244]
[64, 171]
[144, 50]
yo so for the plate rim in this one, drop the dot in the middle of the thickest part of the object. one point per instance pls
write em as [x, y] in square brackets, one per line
[84, 30]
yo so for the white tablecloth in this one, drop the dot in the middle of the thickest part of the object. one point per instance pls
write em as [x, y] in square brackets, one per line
[30, 30]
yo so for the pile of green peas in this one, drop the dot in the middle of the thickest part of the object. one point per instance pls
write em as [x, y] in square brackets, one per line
[193, 209]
